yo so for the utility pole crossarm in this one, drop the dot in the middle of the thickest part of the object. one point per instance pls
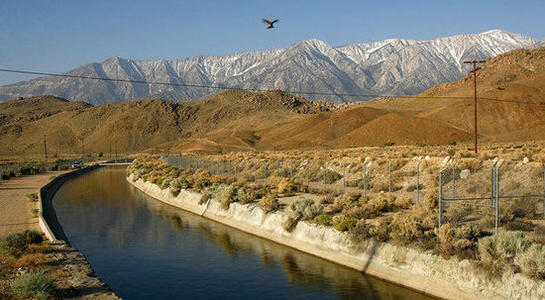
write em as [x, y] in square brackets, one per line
[474, 71]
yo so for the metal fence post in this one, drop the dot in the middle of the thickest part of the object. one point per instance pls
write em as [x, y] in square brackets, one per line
[236, 173]
[277, 168]
[324, 176]
[344, 181]
[454, 181]
[265, 172]
[496, 223]
[493, 183]
[307, 175]
[364, 177]
[440, 197]
[390, 177]
[291, 169]
[418, 182]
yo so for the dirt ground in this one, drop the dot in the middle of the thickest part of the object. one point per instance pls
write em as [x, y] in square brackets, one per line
[69, 269]
[15, 207]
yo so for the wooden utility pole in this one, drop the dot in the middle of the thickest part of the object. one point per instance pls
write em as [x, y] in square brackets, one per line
[45, 147]
[110, 148]
[474, 71]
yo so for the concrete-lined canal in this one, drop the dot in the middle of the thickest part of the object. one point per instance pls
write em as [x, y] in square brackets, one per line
[145, 249]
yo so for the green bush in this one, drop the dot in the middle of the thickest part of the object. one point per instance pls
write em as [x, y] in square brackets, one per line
[331, 176]
[497, 252]
[532, 261]
[346, 224]
[14, 243]
[304, 209]
[324, 220]
[200, 184]
[33, 284]
[6, 175]
[224, 194]
[246, 195]
[33, 197]
[32, 237]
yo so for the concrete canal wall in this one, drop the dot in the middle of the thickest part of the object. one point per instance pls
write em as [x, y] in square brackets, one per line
[417, 270]
[47, 217]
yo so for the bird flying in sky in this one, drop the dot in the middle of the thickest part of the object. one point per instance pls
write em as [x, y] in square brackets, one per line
[270, 23]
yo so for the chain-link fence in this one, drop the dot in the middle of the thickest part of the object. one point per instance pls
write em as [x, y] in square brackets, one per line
[509, 191]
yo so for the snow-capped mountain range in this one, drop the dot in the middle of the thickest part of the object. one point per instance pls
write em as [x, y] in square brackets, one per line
[393, 67]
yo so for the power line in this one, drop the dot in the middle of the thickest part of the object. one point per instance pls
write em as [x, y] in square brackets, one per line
[261, 90]
[223, 87]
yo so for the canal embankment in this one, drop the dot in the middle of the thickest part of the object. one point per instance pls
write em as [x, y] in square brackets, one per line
[81, 276]
[418, 270]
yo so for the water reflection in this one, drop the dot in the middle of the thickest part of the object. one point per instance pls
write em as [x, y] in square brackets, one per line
[143, 248]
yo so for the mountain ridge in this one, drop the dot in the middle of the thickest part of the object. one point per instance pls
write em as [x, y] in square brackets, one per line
[393, 66]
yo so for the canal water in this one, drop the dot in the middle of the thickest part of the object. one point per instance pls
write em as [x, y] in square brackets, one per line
[144, 249]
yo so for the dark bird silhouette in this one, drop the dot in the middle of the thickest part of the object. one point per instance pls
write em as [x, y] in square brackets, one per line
[270, 23]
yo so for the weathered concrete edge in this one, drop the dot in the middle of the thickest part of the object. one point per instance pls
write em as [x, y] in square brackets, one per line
[47, 217]
[417, 282]
[420, 271]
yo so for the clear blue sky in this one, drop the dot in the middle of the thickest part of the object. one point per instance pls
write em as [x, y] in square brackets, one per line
[56, 36]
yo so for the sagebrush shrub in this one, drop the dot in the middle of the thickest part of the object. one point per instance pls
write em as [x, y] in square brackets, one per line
[498, 251]
[532, 261]
[344, 201]
[224, 194]
[304, 209]
[33, 284]
[345, 224]
[269, 203]
[246, 195]
[286, 185]
[14, 243]
[406, 229]
[324, 220]
[362, 231]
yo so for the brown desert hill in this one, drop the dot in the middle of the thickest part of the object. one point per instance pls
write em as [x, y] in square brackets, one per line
[518, 77]
[35, 108]
[142, 124]
[242, 120]
[361, 126]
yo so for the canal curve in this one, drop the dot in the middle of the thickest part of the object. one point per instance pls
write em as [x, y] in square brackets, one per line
[144, 249]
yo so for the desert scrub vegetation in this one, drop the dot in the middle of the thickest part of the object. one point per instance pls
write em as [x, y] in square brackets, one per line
[301, 209]
[17, 243]
[25, 262]
[512, 251]
[393, 217]
[269, 203]
[34, 284]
